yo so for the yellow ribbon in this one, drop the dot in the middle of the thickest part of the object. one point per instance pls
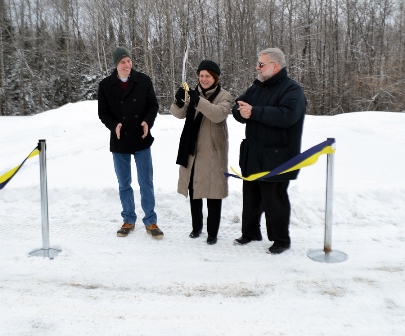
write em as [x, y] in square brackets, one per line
[305, 163]
[10, 173]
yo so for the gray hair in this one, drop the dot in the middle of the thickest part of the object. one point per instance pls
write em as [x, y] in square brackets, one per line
[275, 54]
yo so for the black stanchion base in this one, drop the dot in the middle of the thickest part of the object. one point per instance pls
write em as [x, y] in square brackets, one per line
[45, 253]
[327, 257]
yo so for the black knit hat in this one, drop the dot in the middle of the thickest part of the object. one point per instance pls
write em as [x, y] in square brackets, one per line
[119, 53]
[209, 65]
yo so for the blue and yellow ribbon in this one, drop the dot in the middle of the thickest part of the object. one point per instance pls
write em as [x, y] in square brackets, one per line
[5, 178]
[305, 159]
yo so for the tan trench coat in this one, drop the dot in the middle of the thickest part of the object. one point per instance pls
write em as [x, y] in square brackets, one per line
[211, 157]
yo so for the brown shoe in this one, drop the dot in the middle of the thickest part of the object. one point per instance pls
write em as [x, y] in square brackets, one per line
[153, 230]
[126, 228]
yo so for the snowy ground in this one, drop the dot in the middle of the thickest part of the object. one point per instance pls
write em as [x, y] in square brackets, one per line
[104, 285]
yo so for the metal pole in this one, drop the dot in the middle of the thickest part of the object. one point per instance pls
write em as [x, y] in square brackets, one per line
[44, 194]
[46, 251]
[327, 255]
[330, 170]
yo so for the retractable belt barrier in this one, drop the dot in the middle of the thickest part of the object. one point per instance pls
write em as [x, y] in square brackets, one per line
[46, 251]
[305, 159]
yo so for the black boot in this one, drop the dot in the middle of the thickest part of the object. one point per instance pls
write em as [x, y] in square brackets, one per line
[194, 234]
[211, 240]
[278, 248]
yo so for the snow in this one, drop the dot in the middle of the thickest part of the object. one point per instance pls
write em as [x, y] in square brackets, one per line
[104, 285]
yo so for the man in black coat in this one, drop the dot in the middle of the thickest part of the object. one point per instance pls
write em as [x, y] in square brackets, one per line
[273, 109]
[127, 106]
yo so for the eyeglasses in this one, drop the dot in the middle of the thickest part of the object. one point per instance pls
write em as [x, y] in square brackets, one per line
[261, 65]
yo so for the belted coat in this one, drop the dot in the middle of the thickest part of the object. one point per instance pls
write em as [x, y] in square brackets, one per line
[130, 107]
[211, 155]
[274, 130]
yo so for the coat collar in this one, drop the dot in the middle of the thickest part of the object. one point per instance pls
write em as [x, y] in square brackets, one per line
[116, 85]
[207, 93]
[277, 78]
[133, 77]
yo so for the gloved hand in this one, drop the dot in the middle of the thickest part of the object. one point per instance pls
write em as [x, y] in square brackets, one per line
[180, 95]
[194, 97]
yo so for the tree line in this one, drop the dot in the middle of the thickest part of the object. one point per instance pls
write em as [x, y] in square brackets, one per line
[349, 55]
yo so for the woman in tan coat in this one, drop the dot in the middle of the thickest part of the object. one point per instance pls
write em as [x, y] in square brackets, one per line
[203, 148]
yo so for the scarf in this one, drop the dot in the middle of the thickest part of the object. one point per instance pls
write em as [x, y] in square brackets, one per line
[189, 135]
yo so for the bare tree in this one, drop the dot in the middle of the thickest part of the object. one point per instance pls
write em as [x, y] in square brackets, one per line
[348, 55]
[3, 83]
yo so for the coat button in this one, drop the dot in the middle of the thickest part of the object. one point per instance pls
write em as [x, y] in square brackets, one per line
[121, 101]
[134, 99]
[136, 116]
[123, 118]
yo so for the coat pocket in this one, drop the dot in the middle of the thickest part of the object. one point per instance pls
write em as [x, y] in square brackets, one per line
[274, 157]
[219, 137]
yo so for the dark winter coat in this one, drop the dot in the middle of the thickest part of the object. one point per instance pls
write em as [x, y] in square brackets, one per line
[131, 107]
[274, 130]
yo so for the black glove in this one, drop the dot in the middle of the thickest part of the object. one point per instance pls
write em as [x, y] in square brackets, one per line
[194, 97]
[180, 95]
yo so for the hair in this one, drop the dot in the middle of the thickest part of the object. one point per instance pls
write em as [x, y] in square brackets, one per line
[275, 54]
[213, 74]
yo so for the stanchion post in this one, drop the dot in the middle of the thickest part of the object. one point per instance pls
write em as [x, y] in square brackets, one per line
[330, 171]
[45, 251]
[327, 255]
[44, 194]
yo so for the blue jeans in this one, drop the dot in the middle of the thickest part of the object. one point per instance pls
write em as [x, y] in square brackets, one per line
[122, 165]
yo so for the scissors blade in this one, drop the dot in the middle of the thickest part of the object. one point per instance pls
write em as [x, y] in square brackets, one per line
[184, 72]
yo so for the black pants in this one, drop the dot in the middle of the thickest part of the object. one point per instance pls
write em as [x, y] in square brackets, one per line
[214, 211]
[272, 199]
[214, 214]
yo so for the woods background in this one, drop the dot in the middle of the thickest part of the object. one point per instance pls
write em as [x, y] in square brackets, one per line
[349, 55]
